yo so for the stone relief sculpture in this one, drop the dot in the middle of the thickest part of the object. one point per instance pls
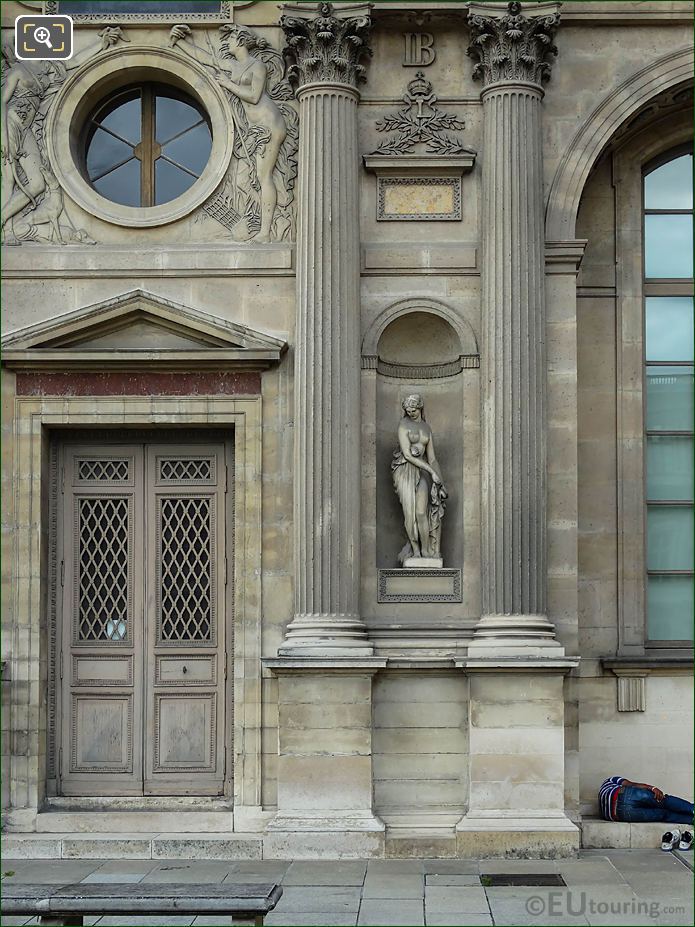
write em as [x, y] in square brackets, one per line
[420, 122]
[417, 480]
[33, 208]
[255, 199]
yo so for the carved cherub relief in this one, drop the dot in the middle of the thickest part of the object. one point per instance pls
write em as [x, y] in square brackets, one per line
[255, 199]
[33, 207]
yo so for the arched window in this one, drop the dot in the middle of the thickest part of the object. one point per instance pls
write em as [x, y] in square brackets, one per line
[668, 413]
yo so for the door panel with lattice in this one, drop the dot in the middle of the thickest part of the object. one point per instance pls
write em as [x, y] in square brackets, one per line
[102, 577]
[142, 532]
[185, 696]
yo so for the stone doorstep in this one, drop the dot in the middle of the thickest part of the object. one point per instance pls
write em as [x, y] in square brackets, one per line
[132, 846]
[598, 834]
[131, 822]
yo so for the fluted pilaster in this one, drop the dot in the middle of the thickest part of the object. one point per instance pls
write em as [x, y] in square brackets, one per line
[512, 50]
[327, 359]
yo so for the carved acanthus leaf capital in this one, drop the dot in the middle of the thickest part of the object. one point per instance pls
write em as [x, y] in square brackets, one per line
[513, 46]
[323, 45]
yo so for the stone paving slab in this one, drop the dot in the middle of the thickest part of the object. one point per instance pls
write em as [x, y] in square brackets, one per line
[326, 872]
[649, 885]
[401, 911]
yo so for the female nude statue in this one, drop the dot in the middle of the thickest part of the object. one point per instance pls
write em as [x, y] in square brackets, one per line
[418, 483]
[246, 77]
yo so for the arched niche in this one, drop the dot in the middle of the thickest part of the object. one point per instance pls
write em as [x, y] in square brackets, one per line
[420, 347]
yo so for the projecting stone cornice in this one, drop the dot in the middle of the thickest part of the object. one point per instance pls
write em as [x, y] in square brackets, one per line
[515, 46]
[326, 45]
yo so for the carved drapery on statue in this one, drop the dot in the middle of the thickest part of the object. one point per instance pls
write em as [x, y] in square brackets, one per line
[417, 480]
[33, 206]
[255, 199]
[514, 46]
[326, 47]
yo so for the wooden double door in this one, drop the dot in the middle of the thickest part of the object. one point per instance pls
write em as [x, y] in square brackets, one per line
[142, 533]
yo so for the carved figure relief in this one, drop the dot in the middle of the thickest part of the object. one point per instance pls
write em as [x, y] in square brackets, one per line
[418, 482]
[33, 208]
[420, 123]
[256, 196]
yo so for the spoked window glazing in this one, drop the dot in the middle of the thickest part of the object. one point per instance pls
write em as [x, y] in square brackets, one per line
[146, 145]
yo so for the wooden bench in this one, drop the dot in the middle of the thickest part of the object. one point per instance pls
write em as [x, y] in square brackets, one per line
[68, 904]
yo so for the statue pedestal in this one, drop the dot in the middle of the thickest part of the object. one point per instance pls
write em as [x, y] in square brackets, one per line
[423, 563]
[431, 584]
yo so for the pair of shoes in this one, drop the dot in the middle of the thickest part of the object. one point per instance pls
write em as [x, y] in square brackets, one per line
[674, 840]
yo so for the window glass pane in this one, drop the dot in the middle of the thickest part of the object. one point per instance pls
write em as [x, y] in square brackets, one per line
[668, 246]
[124, 120]
[670, 608]
[138, 6]
[169, 182]
[122, 185]
[669, 537]
[104, 152]
[669, 468]
[669, 328]
[173, 116]
[671, 185]
[192, 149]
[669, 398]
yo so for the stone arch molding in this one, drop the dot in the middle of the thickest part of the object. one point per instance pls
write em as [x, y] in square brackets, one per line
[464, 330]
[590, 140]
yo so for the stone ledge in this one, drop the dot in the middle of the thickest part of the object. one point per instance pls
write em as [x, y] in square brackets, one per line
[132, 846]
[616, 835]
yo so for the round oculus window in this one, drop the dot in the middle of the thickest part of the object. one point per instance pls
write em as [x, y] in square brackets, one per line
[146, 145]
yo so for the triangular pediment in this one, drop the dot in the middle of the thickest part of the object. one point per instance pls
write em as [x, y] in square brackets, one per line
[138, 328]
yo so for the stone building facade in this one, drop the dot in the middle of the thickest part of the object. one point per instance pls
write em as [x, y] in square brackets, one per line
[236, 238]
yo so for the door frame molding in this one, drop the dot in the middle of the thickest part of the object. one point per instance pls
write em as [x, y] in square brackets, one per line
[34, 416]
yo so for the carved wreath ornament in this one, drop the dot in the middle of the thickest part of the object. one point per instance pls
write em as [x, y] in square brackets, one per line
[420, 122]
[513, 47]
[326, 48]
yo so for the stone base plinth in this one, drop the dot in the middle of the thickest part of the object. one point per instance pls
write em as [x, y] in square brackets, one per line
[325, 758]
[515, 635]
[423, 563]
[484, 835]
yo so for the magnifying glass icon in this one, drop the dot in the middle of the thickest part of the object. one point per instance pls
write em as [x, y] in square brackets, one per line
[42, 35]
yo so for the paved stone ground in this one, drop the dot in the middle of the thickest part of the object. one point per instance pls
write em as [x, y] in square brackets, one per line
[604, 887]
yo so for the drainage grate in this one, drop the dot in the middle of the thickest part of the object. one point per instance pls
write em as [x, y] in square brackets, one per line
[496, 879]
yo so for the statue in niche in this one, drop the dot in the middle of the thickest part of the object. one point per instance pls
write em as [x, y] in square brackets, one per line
[417, 480]
[255, 199]
[32, 200]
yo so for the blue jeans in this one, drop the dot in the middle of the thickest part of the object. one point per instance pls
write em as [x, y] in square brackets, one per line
[637, 805]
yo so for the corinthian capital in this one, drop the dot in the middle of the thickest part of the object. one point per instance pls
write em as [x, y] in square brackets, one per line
[324, 44]
[513, 46]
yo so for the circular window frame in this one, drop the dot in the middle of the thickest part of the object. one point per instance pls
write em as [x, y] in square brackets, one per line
[94, 82]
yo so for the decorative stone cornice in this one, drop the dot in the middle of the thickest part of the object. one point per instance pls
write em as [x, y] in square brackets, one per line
[325, 46]
[513, 46]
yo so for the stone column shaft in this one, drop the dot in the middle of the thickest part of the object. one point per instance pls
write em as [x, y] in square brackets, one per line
[513, 523]
[512, 50]
[327, 399]
[327, 49]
